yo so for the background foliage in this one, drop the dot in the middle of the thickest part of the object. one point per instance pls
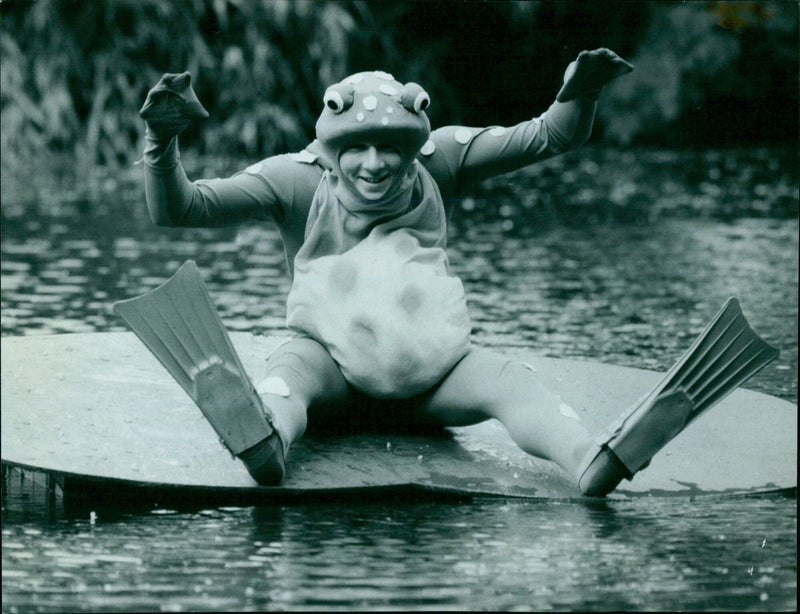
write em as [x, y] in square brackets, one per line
[75, 72]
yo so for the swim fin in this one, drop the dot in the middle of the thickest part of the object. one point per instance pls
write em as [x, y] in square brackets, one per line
[723, 357]
[180, 326]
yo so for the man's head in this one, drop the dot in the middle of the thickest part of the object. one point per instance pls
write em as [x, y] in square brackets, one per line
[372, 128]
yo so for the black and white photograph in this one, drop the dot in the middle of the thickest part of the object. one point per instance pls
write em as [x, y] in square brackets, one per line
[360, 305]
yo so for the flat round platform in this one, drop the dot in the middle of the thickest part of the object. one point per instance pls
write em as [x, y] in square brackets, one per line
[99, 407]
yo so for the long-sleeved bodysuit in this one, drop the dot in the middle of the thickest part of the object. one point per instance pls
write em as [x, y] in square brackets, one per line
[281, 189]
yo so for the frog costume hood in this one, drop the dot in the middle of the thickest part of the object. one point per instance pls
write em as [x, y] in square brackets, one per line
[373, 107]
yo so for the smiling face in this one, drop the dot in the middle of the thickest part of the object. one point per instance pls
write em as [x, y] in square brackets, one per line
[370, 168]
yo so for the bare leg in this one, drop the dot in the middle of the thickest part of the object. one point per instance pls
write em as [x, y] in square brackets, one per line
[485, 385]
[301, 378]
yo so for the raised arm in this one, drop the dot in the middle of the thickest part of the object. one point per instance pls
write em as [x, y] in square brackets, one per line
[172, 199]
[460, 156]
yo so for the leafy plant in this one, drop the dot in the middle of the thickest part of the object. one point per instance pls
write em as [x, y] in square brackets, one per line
[75, 72]
[695, 54]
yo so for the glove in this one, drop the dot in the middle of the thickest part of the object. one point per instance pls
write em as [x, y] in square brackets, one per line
[587, 75]
[171, 106]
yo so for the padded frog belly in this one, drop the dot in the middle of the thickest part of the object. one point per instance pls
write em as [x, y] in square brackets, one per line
[388, 312]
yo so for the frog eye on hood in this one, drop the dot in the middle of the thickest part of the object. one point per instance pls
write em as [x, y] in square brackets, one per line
[414, 98]
[339, 97]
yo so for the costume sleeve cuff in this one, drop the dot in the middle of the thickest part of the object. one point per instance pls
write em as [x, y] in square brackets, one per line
[161, 154]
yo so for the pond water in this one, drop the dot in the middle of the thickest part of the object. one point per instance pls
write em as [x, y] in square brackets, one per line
[616, 257]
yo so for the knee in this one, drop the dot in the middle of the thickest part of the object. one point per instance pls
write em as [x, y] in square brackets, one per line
[514, 373]
[510, 385]
[303, 363]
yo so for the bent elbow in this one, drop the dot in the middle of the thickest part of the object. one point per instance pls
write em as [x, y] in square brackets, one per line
[161, 218]
[569, 125]
[562, 143]
[578, 140]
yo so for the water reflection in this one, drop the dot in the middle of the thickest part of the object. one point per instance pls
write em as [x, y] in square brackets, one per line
[499, 555]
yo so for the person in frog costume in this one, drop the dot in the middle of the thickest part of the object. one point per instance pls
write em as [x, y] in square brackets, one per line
[381, 322]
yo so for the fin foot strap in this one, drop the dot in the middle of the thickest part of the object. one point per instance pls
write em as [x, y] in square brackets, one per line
[601, 472]
[642, 435]
[635, 440]
[266, 461]
[232, 406]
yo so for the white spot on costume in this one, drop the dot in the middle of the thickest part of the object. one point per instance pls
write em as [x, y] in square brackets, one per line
[428, 148]
[567, 411]
[274, 385]
[463, 135]
[305, 156]
[370, 103]
[255, 168]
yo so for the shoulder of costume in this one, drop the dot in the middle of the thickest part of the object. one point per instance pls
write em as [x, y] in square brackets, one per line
[312, 154]
[309, 157]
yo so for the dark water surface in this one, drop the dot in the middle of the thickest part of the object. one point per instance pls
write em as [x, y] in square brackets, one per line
[484, 555]
[619, 258]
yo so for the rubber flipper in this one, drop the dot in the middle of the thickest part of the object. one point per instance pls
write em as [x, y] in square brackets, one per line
[180, 326]
[724, 356]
